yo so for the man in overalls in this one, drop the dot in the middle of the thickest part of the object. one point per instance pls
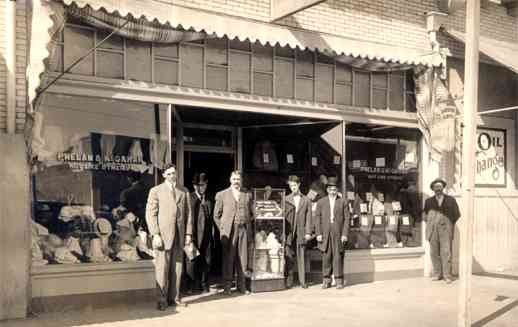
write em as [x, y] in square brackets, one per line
[440, 213]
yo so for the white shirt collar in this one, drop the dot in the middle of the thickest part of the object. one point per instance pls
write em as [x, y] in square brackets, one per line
[171, 186]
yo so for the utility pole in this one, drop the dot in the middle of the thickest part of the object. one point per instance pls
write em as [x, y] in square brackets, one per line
[469, 119]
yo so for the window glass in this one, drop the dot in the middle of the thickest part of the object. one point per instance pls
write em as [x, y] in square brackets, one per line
[362, 89]
[283, 78]
[324, 80]
[344, 94]
[305, 64]
[216, 51]
[382, 174]
[239, 72]
[110, 64]
[166, 71]
[263, 58]
[78, 41]
[192, 69]
[263, 84]
[397, 81]
[305, 89]
[92, 177]
[138, 60]
[165, 50]
[217, 78]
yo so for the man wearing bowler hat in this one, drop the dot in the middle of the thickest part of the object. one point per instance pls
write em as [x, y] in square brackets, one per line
[298, 230]
[440, 213]
[169, 219]
[332, 228]
[203, 229]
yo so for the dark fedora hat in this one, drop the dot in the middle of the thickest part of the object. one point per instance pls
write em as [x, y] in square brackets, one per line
[200, 178]
[294, 179]
[438, 180]
[332, 181]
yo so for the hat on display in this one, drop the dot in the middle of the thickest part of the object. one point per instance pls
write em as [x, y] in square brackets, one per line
[102, 227]
[293, 179]
[200, 178]
[332, 181]
[438, 180]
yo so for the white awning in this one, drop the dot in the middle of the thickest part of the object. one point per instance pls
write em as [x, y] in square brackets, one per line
[505, 53]
[253, 30]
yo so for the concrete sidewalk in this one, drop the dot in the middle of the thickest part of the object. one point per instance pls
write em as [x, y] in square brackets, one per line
[408, 302]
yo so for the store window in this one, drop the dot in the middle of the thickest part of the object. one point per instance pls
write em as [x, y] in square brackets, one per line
[96, 161]
[382, 183]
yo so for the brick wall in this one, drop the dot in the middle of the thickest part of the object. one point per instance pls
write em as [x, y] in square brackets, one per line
[21, 64]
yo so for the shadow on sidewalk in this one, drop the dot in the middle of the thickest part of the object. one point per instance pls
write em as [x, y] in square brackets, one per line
[484, 321]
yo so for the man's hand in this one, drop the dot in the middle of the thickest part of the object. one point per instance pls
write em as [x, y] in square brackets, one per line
[319, 238]
[307, 237]
[157, 242]
[344, 239]
[188, 239]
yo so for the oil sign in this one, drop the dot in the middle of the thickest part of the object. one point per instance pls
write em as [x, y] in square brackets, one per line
[490, 158]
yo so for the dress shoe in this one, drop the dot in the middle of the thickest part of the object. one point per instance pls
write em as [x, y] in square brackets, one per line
[178, 304]
[161, 306]
[245, 292]
[340, 286]
[304, 286]
[205, 289]
[436, 278]
[326, 285]
[448, 280]
[227, 291]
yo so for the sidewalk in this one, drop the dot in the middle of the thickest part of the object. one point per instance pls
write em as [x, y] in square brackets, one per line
[409, 302]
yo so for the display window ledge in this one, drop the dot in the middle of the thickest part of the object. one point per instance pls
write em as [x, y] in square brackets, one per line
[55, 270]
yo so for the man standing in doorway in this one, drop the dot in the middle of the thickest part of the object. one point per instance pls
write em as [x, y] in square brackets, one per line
[169, 220]
[332, 228]
[233, 214]
[298, 230]
[441, 212]
[203, 230]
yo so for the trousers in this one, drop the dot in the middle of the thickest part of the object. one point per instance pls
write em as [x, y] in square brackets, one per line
[298, 259]
[168, 272]
[440, 240]
[235, 255]
[333, 260]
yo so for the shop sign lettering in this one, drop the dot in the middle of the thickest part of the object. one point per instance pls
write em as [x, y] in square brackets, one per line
[84, 161]
[490, 157]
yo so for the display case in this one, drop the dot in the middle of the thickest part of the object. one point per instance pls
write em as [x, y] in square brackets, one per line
[269, 240]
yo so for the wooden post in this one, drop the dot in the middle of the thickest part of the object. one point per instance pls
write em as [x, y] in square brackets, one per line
[468, 160]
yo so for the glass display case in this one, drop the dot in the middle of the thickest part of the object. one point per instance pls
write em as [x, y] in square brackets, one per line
[269, 240]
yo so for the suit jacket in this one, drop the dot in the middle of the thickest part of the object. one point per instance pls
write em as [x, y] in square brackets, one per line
[227, 211]
[163, 215]
[202, 220]
[449, 207]
[323, 220]
[298, 223]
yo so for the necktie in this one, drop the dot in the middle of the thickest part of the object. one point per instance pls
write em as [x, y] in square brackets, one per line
[173, 194]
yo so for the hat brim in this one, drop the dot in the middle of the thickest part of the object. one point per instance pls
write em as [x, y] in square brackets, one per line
[443, 183]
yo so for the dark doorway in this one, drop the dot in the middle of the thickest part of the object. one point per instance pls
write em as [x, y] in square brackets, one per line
[218, 167]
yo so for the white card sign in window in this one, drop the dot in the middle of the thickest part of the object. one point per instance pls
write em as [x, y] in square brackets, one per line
[314, 161]
[356, 163]
[289, 158]
[392, 220]
[490, 156]
[266, 158]
[406, 220]
[396, 206]
[380, 162]
[363, 207]
[350, 196]
[365, 221]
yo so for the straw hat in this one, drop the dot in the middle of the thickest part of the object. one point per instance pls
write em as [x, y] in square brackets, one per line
[102, 227]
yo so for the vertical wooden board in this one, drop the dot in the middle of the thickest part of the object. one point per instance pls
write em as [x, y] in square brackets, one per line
[263, 58]
[304, 89]
[263, 84]
[166, 71]
[217, 78]
[110, 64]
[362, 89]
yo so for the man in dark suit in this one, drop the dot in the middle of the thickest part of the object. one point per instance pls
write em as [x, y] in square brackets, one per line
[169, 220]
[332, 228]
[203, 230]
[298, 230]
[441, 212]
[233, 214]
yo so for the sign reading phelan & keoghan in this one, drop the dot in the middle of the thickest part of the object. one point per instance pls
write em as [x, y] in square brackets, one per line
[491, 157]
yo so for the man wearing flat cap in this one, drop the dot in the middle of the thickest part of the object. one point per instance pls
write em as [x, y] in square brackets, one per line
[440, 213]
[298, 230]
[203, 230]
[332, 228]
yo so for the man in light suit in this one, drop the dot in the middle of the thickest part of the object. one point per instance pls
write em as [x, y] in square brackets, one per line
[332, 228]
[298, 230]
[169, 220]
[233, 214]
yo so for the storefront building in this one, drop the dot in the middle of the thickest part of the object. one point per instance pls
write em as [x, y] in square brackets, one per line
[213, 92]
